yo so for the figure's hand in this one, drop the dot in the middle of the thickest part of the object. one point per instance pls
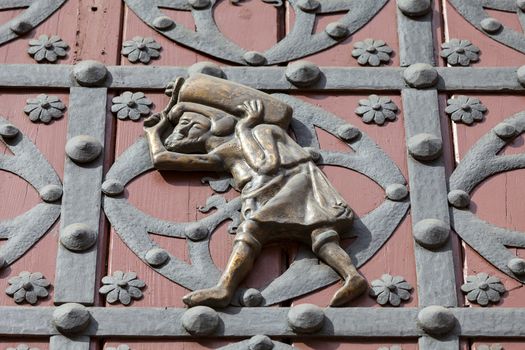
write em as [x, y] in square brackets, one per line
[156, 123]
[253, 113]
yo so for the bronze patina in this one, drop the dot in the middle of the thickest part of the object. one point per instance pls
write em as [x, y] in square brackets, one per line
[211, 124]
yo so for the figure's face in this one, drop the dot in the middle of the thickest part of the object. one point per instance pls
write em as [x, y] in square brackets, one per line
[190, 134]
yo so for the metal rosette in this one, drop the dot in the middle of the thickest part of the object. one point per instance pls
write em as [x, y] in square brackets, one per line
[37, 11]
[23, 231]
[299, 42]
[474, 12]
[482, 161]
[305, 274]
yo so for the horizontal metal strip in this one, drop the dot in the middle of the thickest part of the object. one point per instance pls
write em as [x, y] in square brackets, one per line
[267, 78]
[245, 322]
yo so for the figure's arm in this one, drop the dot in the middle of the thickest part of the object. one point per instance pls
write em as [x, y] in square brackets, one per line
[258, 145]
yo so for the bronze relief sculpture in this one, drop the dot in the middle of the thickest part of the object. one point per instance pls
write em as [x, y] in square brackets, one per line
[211, 124]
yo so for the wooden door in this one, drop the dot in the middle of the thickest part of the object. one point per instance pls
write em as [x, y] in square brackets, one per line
[414, 110]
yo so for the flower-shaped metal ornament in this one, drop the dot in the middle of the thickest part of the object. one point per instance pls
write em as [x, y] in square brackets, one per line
[120, 347]
[459, 52]
[465, 109]
[376, 109]
[140, 49]
[122, 287]
[371, 52]
[47, 49]
[131, 105]
[483, 289]
[23, 347]
[489, 347]
[44, 108]
[390, 290]
[27, 287]
[393, 347]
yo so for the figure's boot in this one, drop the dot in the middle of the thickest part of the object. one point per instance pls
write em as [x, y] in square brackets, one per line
[240, 263]
[354, 284]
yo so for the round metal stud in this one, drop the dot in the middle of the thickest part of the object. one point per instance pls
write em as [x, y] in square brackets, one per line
[200, 320]
[490, 25]
[254, 58]
[21, 26]
[157, 256]
[436, 320]
[348, 132]
[414, 8]
[196, 232]
[306, 318]
[505, 130]
[50, 193]
[83, 148]
[207, 68]
[78, 237]
[90, 73]
[420, 75]
[458, 198]
[314, 153]
[336, 30]
[521, 75]
[424, 146]
[521, 4]
[396, 192]
[71, 318]
[8, 131]
[252, 297]
[112, 187]
[302, 73]
[260, 342]
[517, 266]
[431, 233]
[163, 23]
[199, 4]
[308, 5]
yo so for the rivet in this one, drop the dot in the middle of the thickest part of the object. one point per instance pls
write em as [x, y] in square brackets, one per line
[302, 73]
[196, 232]
[396, 192]
[71, 318]
[90, 73]
[521, 75]
[112, 187]
[260, 342]
[306, 318]
[20, 26]
[50, 193]
[163, 23]
[314, 153]
[254, 58]
[458, 198]
[414, 8]
[83, 148]
[505, 130]
[78, 237]
[521, 4]
[348, 132]
[207, 68]
[200, 320]
[420, 75]
[252, 297]
[490, 25]
[156, 256]
[517, 266]
[308, 5]
[336, 30]
[436, 320]
[8, 131]
[431, 233]
[199, 4]
[424, 146]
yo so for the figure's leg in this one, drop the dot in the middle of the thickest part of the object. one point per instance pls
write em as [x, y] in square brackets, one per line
[245, 250]
[325, 244]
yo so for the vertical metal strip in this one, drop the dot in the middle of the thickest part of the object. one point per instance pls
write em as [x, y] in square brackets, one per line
[59, 342]
[428, 187]
[81, 201]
